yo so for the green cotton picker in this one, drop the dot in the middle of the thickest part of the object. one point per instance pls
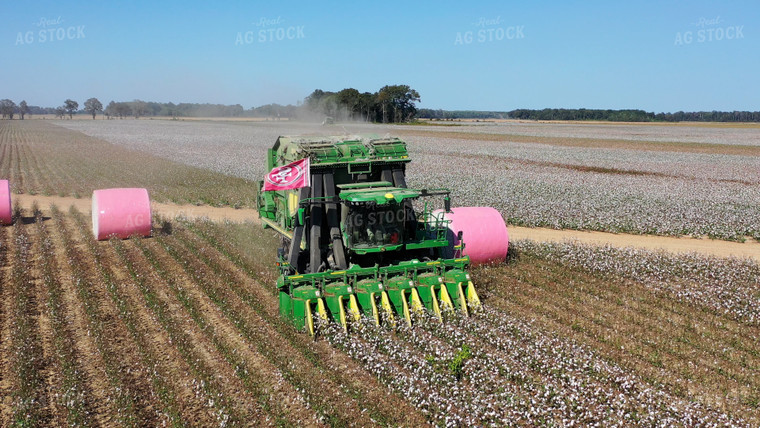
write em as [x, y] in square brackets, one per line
[356, 241]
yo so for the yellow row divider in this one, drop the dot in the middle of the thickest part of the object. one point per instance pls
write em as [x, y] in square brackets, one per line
[374, 308]
[462, 301]
[309, 319]
[436, 308]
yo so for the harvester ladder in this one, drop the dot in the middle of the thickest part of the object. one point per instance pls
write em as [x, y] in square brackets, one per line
[333, 222]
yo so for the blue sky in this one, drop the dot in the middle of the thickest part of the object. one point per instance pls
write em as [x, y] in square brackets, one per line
[490, 55]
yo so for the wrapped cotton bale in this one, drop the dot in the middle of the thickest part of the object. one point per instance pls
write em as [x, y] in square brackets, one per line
[121, 213]
[483, 231]
[6, 210]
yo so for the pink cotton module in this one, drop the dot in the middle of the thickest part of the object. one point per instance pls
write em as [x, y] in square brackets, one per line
[483, 231]
[6, 209]
[120, 213]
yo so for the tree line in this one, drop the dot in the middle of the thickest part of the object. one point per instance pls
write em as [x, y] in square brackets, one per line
[627, 115]
[391, 104]
[427, 113]
[8, 108]
[139, 108]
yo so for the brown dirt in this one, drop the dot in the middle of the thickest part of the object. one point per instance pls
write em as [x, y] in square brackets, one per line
[6, 300]
[84, 205]
[712, 247]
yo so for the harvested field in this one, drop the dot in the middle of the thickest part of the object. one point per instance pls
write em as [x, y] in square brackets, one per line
[183, 328]
[41, 158]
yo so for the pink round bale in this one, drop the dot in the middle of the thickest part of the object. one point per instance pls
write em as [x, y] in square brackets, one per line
[6, 210]
[483, 231]
[121, 213]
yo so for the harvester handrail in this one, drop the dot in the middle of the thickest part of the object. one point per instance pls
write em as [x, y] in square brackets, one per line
[336, 199]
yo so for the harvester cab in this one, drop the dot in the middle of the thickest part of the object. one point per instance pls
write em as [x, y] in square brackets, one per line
[356, 241]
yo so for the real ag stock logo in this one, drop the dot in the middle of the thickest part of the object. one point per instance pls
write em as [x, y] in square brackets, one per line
[270, 30]
[488, 31]
[709, 30]
[50, 30]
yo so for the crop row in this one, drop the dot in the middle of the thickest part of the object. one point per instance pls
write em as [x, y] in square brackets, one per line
[185, 326]
[727, 285]
[306, 368]
[126, 391]
[29, 401]
[162, 331]
[511, 373]
[696, 351]
[495, 368]
[74, 396]
[40, 158]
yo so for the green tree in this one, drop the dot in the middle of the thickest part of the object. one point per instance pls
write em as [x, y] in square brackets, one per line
[93, 106]
[7, 108]
[123, 110]
[110, 110]
[71, 107]
[383, 99]
[368, 106]
[313, 99]
[328, 104]
[139, 108]
[349, 100]
[400, 99]
[23, 109]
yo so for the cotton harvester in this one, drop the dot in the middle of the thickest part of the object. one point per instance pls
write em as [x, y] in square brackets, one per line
[355, 240]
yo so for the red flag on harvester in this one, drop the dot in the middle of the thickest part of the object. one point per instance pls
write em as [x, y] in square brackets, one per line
[291, 176]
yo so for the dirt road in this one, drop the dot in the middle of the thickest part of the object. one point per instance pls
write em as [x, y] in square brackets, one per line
[676, 245]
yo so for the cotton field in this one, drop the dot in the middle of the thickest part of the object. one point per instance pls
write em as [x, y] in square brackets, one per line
[183, 328]
[683, 189]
